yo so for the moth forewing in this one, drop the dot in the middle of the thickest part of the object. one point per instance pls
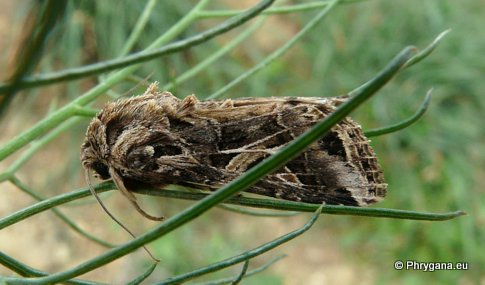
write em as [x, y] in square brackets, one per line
[157, 139]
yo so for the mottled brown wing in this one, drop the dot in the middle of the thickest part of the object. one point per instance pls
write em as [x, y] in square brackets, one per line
[207, 149]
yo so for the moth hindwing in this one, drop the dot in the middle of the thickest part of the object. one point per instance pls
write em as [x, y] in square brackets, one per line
[157, 139]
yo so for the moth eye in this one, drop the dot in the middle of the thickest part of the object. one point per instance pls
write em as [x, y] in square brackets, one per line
[101, 169]
[166, 150]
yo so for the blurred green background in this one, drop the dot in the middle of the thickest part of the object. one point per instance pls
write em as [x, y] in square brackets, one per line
[436, 165]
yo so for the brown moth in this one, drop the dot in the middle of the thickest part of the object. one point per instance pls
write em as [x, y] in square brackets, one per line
[157, 139]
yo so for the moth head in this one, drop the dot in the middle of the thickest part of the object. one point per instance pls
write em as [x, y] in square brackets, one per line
[94, 150]
[122, 124]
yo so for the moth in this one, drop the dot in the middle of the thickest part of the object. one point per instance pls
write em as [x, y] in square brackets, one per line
[157, 139]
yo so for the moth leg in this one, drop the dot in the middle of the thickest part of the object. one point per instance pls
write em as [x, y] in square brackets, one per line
[121, 186]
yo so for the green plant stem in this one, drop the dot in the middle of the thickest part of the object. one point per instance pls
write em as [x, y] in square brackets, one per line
[27, 271]
[403, 124]
[15, 181]
[46, 124]
[427, 50]
[243, 256]
[86, 112]
[249, 273]
[218, 54]
[412, 61]
[278, 53]
[69, 110]
[134, 35]
[37, 145]
[256, 213]
[138, 29]
[242, 274]
[243, 201]
[275, 10]
[276, 204]
[50, 203]
[143, 276]
[148, 54]
[241, 183]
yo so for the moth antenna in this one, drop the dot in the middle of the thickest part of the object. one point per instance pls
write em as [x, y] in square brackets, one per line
[121, 186]
[143, 82]
[152, 88]
[87, 178]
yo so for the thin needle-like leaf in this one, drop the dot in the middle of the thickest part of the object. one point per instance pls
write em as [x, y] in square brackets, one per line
[143, 276]
[249, 273]
[136, 58]
[403, 124]
[276, 204]
[241, 275]
[276, 54]
[59, 214]
[244, 256]
[27, 271]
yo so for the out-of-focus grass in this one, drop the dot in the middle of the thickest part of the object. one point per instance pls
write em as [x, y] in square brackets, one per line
[435, 165]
